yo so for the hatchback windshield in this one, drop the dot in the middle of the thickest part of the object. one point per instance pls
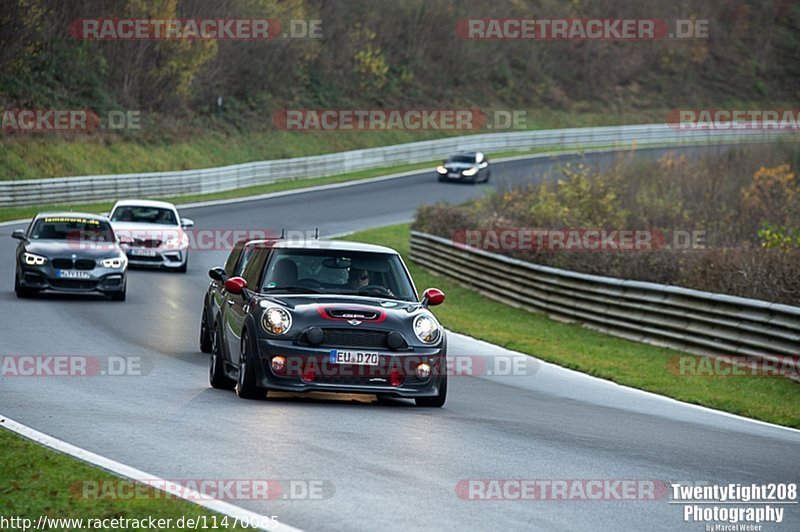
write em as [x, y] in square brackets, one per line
[148, 215]
[338, 272]
[469, 159]
[68, 227]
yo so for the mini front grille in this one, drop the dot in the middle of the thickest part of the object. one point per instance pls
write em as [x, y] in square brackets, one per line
[354, 338]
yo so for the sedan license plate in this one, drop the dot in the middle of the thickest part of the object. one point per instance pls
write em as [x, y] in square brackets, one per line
[142, 252]
[357, 358]
[73, 274]
[451, 174]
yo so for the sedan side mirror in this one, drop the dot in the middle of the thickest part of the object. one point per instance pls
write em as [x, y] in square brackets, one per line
[432, 297]
[19, 234]
[187, 222]
[235, 285]
[218, 274]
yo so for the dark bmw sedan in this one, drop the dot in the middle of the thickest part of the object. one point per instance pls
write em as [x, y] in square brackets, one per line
[326, 316]
[469, 167]
[69, 252]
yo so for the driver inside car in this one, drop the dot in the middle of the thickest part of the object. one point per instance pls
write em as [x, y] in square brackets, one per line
[357, 278]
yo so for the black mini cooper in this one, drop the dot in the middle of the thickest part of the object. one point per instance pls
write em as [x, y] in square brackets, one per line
[324, 315]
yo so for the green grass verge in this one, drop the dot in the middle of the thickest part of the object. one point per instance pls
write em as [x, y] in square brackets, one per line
[36, 481]
[630, 363]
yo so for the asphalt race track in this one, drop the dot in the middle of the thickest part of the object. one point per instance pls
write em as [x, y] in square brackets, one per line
[389, 467]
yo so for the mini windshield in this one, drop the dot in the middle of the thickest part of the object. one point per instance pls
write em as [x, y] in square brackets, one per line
[338, 272]
[469, 159]
[73, 228]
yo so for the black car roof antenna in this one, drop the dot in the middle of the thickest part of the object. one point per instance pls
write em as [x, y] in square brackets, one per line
[283, 233]
[316, 233]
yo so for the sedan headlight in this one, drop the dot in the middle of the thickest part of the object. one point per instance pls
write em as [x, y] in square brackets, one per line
[276, 320]
[426, 328]
[114, 262]
[470, 171]
[441, 169]
[34, 260]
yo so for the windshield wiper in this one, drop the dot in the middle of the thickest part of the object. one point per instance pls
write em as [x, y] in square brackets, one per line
[300, 289]
[380, 291]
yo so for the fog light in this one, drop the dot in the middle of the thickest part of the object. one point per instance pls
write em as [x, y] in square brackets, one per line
[423, 371]
[279, 364]
[395, 378]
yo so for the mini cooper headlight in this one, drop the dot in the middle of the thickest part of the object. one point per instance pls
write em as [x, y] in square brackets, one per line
[470, 171]
[114, 262]
[426, 328]
[441, 169]
[276, 320]
[34, 260]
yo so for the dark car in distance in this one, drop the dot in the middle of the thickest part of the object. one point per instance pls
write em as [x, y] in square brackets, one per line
[328, 316]
[69, 252]
[469, 167]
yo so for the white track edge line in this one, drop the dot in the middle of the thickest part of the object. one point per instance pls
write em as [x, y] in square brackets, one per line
[123, 470]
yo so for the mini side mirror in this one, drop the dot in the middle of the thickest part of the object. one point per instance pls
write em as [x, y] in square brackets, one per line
[432, 297]
[235, 285]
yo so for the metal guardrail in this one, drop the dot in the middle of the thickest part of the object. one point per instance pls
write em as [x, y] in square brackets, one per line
[64, 190]
[693, 321]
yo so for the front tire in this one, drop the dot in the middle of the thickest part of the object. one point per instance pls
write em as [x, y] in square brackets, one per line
[246, 387]
[184, 267]
[21, 291]
[437, 401]
[216, 367]
[206, 341]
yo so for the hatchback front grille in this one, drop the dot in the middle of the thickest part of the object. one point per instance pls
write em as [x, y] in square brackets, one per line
[353, 338]
[84, 264]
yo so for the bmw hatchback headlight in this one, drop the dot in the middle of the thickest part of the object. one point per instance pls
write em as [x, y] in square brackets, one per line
[34, 260]
[276, 320]
[114, 262]
[470, 171]
[426, 328]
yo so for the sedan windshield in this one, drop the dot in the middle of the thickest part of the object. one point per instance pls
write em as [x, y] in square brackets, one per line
[148, 215]
[73, 228]
[338, 272]
[469, 159]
